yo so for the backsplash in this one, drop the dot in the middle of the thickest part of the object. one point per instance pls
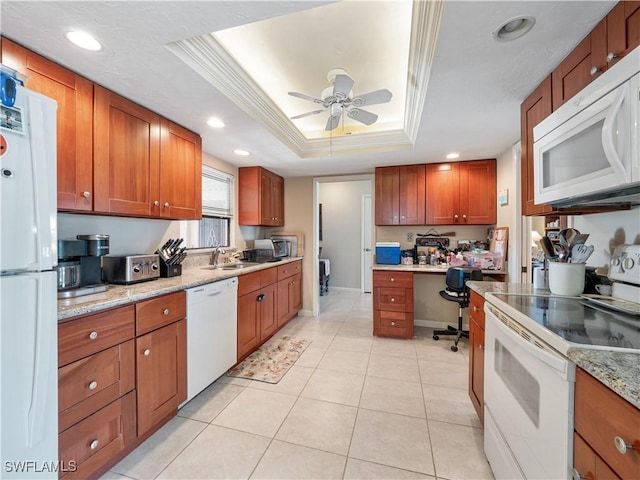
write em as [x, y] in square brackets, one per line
[462, 232]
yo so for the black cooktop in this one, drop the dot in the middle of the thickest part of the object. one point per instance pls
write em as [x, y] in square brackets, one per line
[578, 321]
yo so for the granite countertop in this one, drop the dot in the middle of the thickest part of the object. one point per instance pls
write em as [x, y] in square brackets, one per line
[620, 371]
[427, 269]
[118, 295]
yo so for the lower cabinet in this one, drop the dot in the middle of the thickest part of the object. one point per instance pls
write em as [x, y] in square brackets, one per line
[289, 291]
[607, 432]
[121, 375]
[476, 353]
[393, 304]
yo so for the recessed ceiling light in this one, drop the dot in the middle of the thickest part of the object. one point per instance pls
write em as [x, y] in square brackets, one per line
[452, 155]
[84, 40]
[215, 122]
[243, 153]
[513, 28]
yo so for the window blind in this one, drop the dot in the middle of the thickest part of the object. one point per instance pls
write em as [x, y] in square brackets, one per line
[217, 193]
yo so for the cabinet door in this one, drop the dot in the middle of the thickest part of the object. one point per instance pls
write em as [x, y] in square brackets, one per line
[284, 303]
[533, 110]
[161, 373]
[248, 323]
[476, 367]
[180, 173]
[442, 194]
[411, 200]
[277, 200]
[74, 95]
[268, 307]
[295, 294]
[586, 62]
[477, 192]
[623, 30]
[266, 207]
[126, 156]
[387, 195]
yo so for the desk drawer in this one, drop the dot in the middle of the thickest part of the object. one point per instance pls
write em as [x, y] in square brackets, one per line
[392, 279]
[476, 308]
[393, 324]
[158, 312]
[85, 336]
[393, 299]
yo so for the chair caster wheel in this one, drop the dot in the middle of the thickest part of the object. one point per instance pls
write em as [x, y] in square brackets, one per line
[436, 337]
[454, 348]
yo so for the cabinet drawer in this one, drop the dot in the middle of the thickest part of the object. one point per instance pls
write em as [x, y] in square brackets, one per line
[392, 279]
[88, 335]
[97, 439]
[393, 324]
[393, 299]
[160, 311]
[587, 462]
[289, 270]
[268, 276]
[600, 417]
[91, 383]
[248, 282]
[476, 308]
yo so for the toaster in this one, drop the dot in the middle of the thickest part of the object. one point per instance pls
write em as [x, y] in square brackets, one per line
[127, 269]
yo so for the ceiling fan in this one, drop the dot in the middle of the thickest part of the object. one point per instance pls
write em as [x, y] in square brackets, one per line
[338, 99]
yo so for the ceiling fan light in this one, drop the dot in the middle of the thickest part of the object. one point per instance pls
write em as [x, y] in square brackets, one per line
[513, 28]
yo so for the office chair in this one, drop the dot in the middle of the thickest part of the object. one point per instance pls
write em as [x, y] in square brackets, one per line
[457, 291]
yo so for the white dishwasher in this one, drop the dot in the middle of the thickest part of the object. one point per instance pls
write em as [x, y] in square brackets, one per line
[211, 333]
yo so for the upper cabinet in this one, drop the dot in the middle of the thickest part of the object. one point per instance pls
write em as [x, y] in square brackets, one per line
[461, 193]
[114, 156]
[400, 195]
[260, 197]
[616, 35]
[74, 95]
[533, 110]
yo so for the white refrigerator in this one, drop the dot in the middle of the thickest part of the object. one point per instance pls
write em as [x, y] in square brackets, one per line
[28, 283]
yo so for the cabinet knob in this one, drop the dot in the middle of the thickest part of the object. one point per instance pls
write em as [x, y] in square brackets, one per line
[86, 194]
[464, 217]
[611, 56]
[93, 335]
[393, 300]
[93, 385]
[393, 324]
[156, 203]
[480, 347]
[165, 311]
[260, 297]
[576, 475]
[621, 445]
[147, 352]
[594, 70]
[166, 205]
[93, 445]
[392, 279]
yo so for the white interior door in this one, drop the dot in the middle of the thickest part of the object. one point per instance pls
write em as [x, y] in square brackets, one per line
[367, 245]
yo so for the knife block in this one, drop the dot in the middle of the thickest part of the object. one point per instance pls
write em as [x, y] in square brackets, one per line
[167, 271]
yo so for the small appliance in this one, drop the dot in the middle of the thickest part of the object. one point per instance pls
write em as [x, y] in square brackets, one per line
[79, 265]
[587, 152]
[128, 269]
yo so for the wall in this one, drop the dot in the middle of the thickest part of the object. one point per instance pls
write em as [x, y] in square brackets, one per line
[342, 229]
[509, 215]
[606, 231]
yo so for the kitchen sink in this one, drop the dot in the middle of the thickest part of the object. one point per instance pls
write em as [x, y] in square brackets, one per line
[232, 266]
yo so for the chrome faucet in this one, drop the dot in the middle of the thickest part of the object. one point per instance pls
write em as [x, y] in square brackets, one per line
[215, 254]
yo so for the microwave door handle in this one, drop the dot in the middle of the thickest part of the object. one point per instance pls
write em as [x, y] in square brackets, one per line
[607, 136]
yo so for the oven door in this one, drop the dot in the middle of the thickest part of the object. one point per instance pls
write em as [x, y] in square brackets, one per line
[528, 403]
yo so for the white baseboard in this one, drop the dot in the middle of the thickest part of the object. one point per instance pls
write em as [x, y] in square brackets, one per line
[305, 313]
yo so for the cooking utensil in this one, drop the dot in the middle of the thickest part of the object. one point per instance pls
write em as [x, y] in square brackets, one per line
[562, 252]
[567, 236]
[580, 239]
[547, 248]
[581, 253]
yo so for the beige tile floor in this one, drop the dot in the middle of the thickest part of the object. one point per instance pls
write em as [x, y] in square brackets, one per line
[353, 406]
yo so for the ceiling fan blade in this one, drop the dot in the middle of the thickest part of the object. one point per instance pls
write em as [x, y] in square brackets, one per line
[305, 97]
[372, 98]
[342, 86]
[362, 116]
[308, 114]
[332, 122]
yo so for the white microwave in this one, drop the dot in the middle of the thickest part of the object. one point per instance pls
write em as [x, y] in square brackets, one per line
[587, 151]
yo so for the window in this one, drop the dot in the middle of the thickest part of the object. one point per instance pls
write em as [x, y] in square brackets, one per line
[217, 210]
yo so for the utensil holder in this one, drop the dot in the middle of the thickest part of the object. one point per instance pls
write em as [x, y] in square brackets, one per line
[167, 271]
[566, 279]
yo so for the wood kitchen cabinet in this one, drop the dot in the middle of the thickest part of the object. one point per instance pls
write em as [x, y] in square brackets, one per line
[257, 309]
[476, 353]
[535, 108]
[161, 359]
[400, 195]
[461, 193]
[260, 197]
[601, 418]
[610, 40]
[74, 95]
[180, 172]
[392, 304]
[289, 291]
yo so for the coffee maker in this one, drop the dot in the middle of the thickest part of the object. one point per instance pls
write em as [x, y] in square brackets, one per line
[79, 265]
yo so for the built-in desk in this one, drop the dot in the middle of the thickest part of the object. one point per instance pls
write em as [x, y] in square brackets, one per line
[393, 296]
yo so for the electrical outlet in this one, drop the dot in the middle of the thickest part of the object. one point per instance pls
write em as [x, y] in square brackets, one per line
[409, 237]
